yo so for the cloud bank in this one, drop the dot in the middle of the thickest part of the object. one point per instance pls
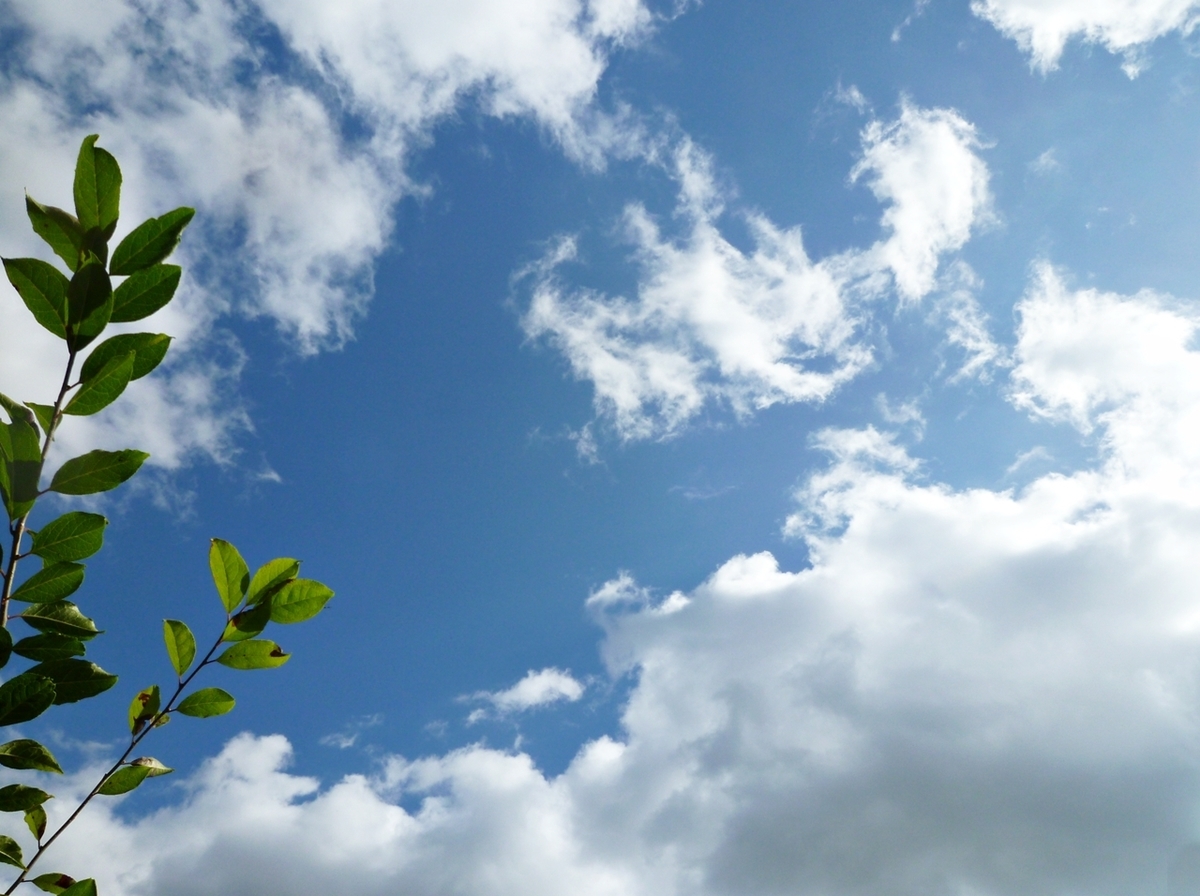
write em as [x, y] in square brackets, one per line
[712, 325]
[968, 691]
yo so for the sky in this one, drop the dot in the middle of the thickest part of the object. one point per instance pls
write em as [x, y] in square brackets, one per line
[755, 446]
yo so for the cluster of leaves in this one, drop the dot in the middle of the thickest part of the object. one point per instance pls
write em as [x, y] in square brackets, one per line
[78, 309]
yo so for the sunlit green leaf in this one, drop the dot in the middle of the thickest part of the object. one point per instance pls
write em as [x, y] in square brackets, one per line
[270, 577]
[26, 754]
[145, 292]
[181, 645]
[74, 680]
[156, 768]
[44, 414]
[124, 780]
[61, 617]
[35, 820]
[22, 466]
[56, 581]
[10, 852]
[53, 882]
[43, 289]
[86, 887]
[143, 708]
[248, 623]
[40, 648]
[97, 471]
[16, 410]
[20, 798]
[151, 241]
[299, 601]
[229, 572]
[207, 702]
[149, 349]
[89, 303]
[104, 388]
[25, 697]
[60, 229]
[254, 655]
[73, 536]
[97, 186]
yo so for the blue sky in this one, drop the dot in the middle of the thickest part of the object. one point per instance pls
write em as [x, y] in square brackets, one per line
[753, 445]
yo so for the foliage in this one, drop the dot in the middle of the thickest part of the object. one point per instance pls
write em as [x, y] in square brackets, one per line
[78, 309]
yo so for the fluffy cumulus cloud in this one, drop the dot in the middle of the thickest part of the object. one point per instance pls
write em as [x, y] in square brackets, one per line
[295, 206]
[967, 691]
[1042, 28]
[713, 324]
[540, 688]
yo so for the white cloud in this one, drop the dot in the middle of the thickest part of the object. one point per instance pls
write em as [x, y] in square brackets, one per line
[712, 324]
[536, 689]
[1042, 28]
[293, 208]
[968, 691]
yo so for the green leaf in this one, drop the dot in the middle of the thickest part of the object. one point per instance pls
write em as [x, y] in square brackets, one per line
[60, 229]
[22, 450]
[17, 411]
[44, 414]
[53, 882]
[124, 780]
[254, 655]
[56, 581]
[248, 622]
[28, 755]
[271, 577]
[86, 887]
[73, 536]
[61, 617]
[97, 186]
[43, 289]
[207, 702]
[144, 707]
[74, 680]
[89, 303]
[35, 820]
[104, 388]
[40, 648]
[6, 647]
[181, 645]
[151, 241]
[149, 349]
[145, 292]
[229, 572]
[10, 852]
[97, 471]
[157, 769]
[25, 697]
[19, 798]
[299, 601]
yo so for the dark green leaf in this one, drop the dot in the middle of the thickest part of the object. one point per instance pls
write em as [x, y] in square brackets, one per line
[6, 647]
[143, 708]
[43, 289]
[157, 769]
[299, 601]
[56, 581]
[10, 852]
[97, 186]
[145, 292]
[89, 303]
[86, 887]
[151, 241]
[124, 780]
[97, 471]
[73, 536]
[35, 820]
[104, 388]
[23, 698]
[19, 798]
[58, 228]
[248, 622]
[149, 349]
[61, 617]
[54, 882]
[22, 466]
[207, 702]
[25, 754]
[271, 577]
[181, 645]
[40, 648]
[44, 414]
[229, 572]
[74, 680]
[254, 655]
